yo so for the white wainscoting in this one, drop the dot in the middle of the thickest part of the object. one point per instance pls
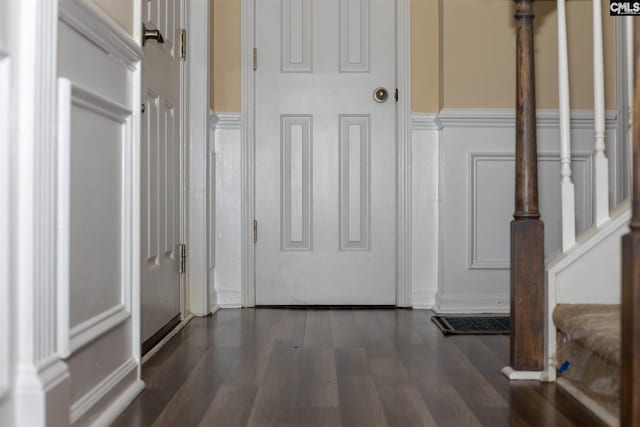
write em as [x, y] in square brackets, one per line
[477, 198]
[228, 175]
[211, 214]
[92, 125]
[462, 165]
[425, 132]
[98, 199]
[227, 148]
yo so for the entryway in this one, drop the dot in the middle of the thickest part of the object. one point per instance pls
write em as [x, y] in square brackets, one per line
[325, 152]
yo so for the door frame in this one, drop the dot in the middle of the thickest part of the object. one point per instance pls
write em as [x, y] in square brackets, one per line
[403, 154]
[196, 134]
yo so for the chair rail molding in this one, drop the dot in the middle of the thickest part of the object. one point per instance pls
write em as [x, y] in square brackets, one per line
[506, 118]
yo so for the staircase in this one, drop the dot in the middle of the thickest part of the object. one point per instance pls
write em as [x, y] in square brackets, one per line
[582, 337]
[592, 284]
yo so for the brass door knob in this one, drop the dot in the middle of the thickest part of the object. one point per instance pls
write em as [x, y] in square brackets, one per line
[148, 34]
[380, 95]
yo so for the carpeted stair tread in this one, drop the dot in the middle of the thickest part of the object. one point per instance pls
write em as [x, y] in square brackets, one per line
[594, 326]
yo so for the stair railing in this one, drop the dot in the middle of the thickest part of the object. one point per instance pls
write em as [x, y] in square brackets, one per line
[567, 189]
[527, 230]
[601, 162]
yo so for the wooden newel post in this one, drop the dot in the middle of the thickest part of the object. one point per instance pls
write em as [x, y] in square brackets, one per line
[527, 230]
[630, 375]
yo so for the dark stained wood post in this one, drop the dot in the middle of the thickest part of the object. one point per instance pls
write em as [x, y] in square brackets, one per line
[630, 379]
[527, 230]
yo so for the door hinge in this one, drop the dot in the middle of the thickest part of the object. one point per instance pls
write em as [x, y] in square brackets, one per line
[396, 95]
[255, 231]
[183, 45]
[183, 258]
[255, 58]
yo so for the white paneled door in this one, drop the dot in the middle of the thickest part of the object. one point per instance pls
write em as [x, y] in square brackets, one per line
[325, 152]
[161, 160]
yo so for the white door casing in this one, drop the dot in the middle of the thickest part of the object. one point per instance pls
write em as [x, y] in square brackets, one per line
[161, 168]
[325, 152]
[5, 221]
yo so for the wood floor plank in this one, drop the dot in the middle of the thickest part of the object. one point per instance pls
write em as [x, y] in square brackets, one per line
[165, 373]
[285, 364]
[317, 333]
[388, 371]
[352, 361]
[333, 368]
[448, 408]
[404, 407]
[191, 400]
[359, 402]
[231, 407]
[318, 383]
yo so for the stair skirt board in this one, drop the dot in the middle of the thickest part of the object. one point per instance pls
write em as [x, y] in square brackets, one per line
[593, 406]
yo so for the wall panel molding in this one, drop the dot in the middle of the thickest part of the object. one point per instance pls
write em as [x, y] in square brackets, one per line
[477, 260]
[73, 337]
[476, 198]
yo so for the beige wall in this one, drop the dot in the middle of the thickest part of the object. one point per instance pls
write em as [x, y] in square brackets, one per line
[463, 54]
[479, 59]
[425, 55]
[120, 10]
[226, 57]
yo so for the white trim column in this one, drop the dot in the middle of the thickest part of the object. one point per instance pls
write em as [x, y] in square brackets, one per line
[197, 134]
[42, 379]
[247, 186]
[403, 156]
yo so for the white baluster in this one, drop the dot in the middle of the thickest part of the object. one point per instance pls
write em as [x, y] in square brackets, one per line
[601, 162]
[566, 185]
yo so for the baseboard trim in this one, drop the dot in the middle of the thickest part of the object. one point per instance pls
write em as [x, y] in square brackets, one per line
[81, 406]
[422, 306]
[423, 299]
[472, 303]
[328, 307]
[152, 341]
[119, 405]
[166, 338]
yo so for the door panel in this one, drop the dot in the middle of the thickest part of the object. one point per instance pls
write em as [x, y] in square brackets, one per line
[160, 214]
[325, 152]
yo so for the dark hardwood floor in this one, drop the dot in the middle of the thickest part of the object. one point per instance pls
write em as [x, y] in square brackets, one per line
[338, 367]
